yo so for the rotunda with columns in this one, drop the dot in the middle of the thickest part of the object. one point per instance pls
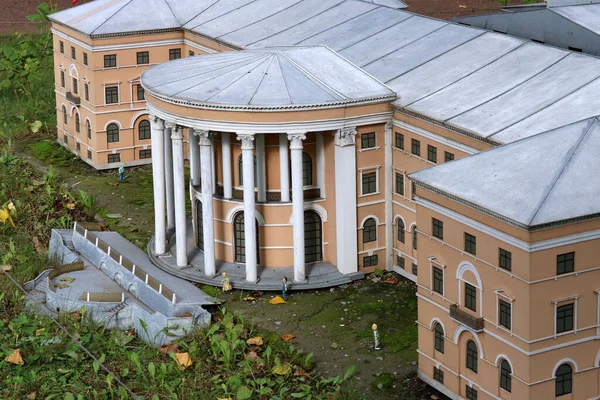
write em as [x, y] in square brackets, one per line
[271, 143]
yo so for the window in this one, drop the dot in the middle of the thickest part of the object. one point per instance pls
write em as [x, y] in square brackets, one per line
[505, 376]
[369, 183]
[471, 393]
[505, 260]
[144, 130]
[174, 54]
[564, 380]
[438, 333]
[77, 123]
[87, 92]
[369, 230]
[241, 173]
[145, 154]
[565, 263]
[112, 133]
[416, 147]
[414, 237]
[470, 244]
[399, 183]
[64, 110]
[400, 261]
[89, 129]
[437, 228]
[448, 156]
[414, 269]
[438, 280]
[401, 229]
[370, 261]
[432, 153]
[313, 237]
[399, 140]
[73, 53]
[111, 95]
[62, 47]
[110, 61]
[192, 54]
[143, 57]
[85, 59]
[438, 375]
[470, 297]
[564, 318]
[89, 154]
[472, 356]
[306, 170]
[65, 139]
[367, 140]
[62, 79]
[78, 146]
[505, 314]
[141, 95]
[113, 158]
[75, 86]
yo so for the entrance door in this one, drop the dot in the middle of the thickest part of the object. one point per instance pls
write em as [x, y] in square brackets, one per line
[199, 226]
[313, 237]
[240, 239]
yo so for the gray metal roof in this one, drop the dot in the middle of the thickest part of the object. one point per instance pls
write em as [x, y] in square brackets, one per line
[548, 178]
[274, 78]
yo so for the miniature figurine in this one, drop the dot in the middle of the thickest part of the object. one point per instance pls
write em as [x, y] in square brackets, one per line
[284, 287]
[225, 285]
[376, 335]
[121, 173]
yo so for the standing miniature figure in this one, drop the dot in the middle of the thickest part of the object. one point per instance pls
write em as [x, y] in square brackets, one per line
[121, 173]
[284, 287]
[226, 285]
[376, 335]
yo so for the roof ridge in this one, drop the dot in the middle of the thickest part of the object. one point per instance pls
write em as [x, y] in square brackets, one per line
[172, 12]
[109, 18]
[188, 21]
[235, 80]
[262, 78]
[220, 15]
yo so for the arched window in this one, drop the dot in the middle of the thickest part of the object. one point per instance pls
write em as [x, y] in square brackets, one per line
[439, 337]
[240, 239]
[414, 237]
[241, 170]
[564, 380]
[112, 133]
[64, 114]
[369, 231]
[306, 170]
[77, 123]
[505, 376]
[401, 229]
[472, 356]
[144, 129]
[89, 129]
[313, 236]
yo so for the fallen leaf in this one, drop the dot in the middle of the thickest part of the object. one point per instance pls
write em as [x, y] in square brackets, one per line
[38, 246]
[61, 285]
[38, 332]
[393, 280]
[11, 207]
[255, 341]
[113, 183]
[37, 182]
[223, 398]
[6, 267]
[183, 360]
[5, 216]
[282, 369]
[75, 315]
[252, 355]
[15, 358]
[168, 348]
[31, 396]
[287, 337]
[35, 126]
[130, 332]
[67, 279]
[187, 315]
[248, 298]
[70, 206]
[277, 300]
[300, 372]
[113, 216]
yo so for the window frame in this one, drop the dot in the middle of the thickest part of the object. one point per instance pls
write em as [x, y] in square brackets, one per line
[89, 154]
[399, 141]
[61, 47]
[437, 279]
[470, 296]
[400, 230]
[191, 53]
[565, 377]
[472, 356]
[65, 115]
[437, 228]
[140, 90]
[89, 128]
[448, 156]
[110, 136]
[175, 54]
[369, 232]
[365, 180]
[504, 316]
[471, 394]
[86, 89]
[112, 95]
[562, 309]
[565, 261]
[73, 53]
[370, 261]
[438, 337]
[146, 152]
[77, 123]
[368, 140]
[85, 58]
[505, 376]
[307, 169]
[400, 183]
[144, 56]
[432, 154]
[75, 84]
[400, 261]
[413, 233]
[470, 243]
[504, 259]
[438, 375]
[110, 61]
[111, 156]
[415, 147]
[63, 79]
[147, 132]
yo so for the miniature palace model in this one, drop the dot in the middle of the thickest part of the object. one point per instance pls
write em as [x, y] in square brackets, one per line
[327, 138]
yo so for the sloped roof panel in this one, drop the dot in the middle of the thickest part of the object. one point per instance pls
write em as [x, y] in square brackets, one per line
[587, 16]
[185, 10]
[215, 10]
[134, 17]
[88, 17]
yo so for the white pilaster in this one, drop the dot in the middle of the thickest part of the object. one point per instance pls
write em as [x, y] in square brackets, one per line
[169, 129]
[179, 196]
[320, 164]
[389, 181]
[204, 138]
[158, 181]
[297, 204]
[250, 233]
[194, 158]
[284, 168]
[213, 160]
[261, 184]
[345, 200]
[226, 159]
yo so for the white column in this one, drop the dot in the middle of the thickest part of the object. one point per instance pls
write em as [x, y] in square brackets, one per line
[389, 181]
[169, 129]
[194, 158]
[284, 168]
[226, 160]
[345, 200]
[249, 213]
[213, 159]
[261, 176]
[297, 204]
[179, 197]
[208, 216]
[320, 164]
[158, 180]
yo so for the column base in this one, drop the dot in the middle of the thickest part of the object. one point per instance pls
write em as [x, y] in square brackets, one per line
[304, 281]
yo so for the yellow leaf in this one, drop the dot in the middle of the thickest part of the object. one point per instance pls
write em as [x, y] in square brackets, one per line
[31, 396]
[11, 207]
[183, 360]
[37, 182]
[282, 369]
[248, 298]
[67, 279]
[277, 300]
[255, 341]
[61, 285]
[223, 398]
[15, 358]
[38, 332]
[70, 206]
[287, 336]
[6, 267]
[5, 216]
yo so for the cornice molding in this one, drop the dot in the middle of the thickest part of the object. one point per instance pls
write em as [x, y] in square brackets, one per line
[435, 137]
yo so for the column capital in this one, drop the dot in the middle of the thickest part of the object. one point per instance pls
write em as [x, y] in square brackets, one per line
[345, 137]
[176, 131]
[205, 137]
[247, 140]
[170, 125]
[156, 122]
[389, 124]
[296, 139]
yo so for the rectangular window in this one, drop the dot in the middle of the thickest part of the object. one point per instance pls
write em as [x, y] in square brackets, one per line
[110, 61]
[369, 183]
[400, 183]
[192, 54]
[470, 297]
[505, 314]
[62, 79]
[400, 261]
[75, 86]
[113, 158]
[73, 54]
[367, 140]
[448, 156]
[565, 263]
[414, 269]
[564, 318]
[145, 154]
[470, 244]
[143, 57]
[370, 261]
[438, 375]
[432, 153]
[87, 92]
[62, 47]
[471, 393]
[85, 59]
[66, 139]
[437, 228]
[78, 146]
[438, 280]
[174, 54]
[141, 95]
[416, 147]
[399, 140]
[89, 154]
[505, 260]
[112, 95]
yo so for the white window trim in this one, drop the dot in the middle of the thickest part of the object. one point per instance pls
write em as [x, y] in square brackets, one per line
[575, 300]
[403, 184]
[434, 262]
[370, 170]
[109, 84]
[502, 294]
[463, 267]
